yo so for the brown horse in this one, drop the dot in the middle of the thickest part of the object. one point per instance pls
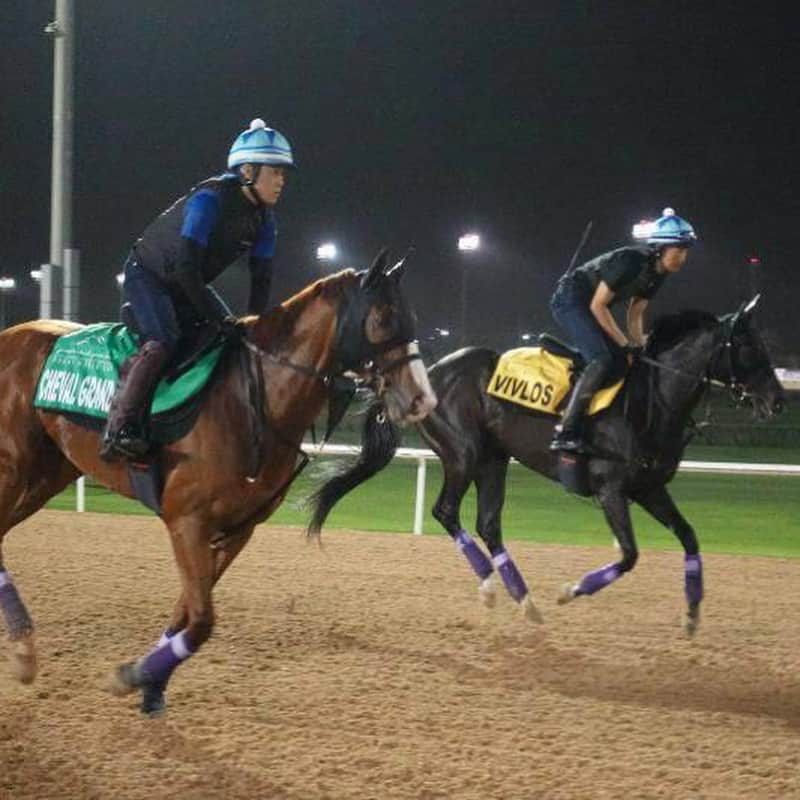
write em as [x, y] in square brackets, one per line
[210, 503]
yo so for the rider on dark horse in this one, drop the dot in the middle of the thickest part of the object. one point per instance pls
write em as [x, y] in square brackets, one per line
[581, 306]
[185, 248]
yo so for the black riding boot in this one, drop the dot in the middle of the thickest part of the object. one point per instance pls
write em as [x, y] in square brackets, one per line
[569, 435]
[125, 435]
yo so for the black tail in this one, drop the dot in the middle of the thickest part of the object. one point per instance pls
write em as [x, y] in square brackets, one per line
[380, 439]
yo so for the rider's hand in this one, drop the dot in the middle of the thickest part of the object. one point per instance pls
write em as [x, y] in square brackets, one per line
[632, 352]
[231, 327]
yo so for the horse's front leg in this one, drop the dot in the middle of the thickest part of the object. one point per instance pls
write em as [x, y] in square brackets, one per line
[660, 505]
[615, 507]
[491, 484]
[195, 560]
[225, 549]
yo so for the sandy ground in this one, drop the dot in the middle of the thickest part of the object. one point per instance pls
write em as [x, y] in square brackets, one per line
[368, 669]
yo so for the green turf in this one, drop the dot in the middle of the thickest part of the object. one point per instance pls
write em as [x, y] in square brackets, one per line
[731, 513]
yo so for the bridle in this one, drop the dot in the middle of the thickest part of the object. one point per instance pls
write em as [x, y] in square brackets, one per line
[723, 351]
[358, 359]
[358, 362]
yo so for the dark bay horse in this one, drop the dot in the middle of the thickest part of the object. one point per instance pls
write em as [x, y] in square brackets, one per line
[639, 440]
[210, 504]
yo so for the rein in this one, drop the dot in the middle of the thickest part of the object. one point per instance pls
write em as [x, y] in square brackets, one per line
[341, 382]
[733, 385]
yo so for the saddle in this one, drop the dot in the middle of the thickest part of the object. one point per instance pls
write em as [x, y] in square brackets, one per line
[79, 377]
[540, 378]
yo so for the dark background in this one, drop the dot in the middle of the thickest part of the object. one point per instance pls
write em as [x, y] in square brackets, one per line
[413, 122]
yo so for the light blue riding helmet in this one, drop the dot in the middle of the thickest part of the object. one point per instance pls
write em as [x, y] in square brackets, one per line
[672, 229]
[260, 145]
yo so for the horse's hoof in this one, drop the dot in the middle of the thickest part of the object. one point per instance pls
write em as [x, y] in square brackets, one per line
[125, 680]
[530, 611]
[487, 592]
[692, 622]
[567, 594]
[153, 702]
[22, 658]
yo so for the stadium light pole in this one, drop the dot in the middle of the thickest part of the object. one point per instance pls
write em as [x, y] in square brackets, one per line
[6, 285]
[467, 243]
[62, 31]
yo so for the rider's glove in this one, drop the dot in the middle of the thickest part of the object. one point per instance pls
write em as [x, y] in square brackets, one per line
[633, 350]
[231, 327]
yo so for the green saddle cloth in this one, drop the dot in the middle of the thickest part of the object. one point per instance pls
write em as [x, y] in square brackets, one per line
[81, 372]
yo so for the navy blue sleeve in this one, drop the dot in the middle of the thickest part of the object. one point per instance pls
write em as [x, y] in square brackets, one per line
[199, 216]
[264, 245]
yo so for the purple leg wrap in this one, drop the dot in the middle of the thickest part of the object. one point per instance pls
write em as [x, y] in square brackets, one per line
[476, 557]
[158, 665]
[18, 621]
[593, 582]
[514, 582]
[165, 637]
[693, 566]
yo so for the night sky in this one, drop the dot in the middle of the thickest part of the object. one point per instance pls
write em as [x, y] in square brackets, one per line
[413, 122]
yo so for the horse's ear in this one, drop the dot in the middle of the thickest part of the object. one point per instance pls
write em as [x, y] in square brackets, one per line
[398, 269]
[376, 270]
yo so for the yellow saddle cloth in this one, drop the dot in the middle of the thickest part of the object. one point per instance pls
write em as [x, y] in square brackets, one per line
[537, 379]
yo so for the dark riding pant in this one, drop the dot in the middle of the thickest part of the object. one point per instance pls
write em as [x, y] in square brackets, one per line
[152, 305]
[570, 306]
[161, 315]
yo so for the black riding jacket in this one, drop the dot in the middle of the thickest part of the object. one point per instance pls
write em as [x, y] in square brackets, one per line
[203, 233]
[628, 271]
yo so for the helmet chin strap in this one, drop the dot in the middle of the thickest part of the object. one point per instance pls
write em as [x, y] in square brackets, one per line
[249, 183]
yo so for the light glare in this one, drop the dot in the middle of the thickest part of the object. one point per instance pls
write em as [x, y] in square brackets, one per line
[643, 229]
[327, 252]
[469, 242]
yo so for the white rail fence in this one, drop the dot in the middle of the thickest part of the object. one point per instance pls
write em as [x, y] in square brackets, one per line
[423, 456]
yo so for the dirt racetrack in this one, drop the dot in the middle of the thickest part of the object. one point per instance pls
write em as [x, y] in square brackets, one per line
[368, 669]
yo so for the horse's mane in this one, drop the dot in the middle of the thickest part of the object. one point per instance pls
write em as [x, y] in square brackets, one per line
[669, 329]
[281, 319]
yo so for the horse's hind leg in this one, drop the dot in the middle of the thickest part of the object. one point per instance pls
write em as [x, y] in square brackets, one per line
[48, 474]
[615, 507]
[660, 505]
[490, 481]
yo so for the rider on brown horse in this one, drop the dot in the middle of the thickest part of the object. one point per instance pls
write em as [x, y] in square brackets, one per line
[180, 252]
[581, 306]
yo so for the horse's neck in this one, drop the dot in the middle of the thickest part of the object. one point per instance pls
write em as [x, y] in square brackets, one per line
[682, 381]
[301, 341]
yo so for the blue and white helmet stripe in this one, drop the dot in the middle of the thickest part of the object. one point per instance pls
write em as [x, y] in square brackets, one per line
[260, 145]
[672, 229]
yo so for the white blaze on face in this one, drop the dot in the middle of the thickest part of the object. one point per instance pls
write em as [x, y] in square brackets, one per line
[416, 397]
